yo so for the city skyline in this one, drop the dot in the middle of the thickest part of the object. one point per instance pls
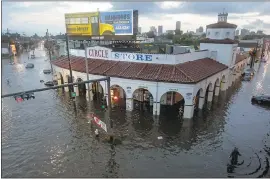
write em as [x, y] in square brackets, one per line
[252, 16]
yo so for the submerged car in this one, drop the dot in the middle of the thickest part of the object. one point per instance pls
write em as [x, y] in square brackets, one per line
[247, 77]
[261, 99]
[29, 65]
[249, 70]
[49, 83]
[46, 71]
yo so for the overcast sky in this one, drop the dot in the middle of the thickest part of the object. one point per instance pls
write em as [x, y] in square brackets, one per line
[36, 17]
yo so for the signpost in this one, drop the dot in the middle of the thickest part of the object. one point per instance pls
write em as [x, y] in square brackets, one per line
[100, 123]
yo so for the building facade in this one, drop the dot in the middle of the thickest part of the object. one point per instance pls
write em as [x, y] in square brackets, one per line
[160, 30]
[181, 83]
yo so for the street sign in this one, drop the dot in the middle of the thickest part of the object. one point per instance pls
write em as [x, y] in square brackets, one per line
[73, 94]
[100, 123]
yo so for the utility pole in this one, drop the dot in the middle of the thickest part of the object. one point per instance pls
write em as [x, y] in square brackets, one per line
[87, 73]
[49, 48]
[70, 70]
[109, 107]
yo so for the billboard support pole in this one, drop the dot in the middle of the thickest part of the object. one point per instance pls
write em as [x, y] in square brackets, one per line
[98, 27]
[70, 71]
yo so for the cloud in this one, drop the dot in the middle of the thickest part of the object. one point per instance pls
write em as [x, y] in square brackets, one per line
[34, 17]
[258, 24]
[169, 4]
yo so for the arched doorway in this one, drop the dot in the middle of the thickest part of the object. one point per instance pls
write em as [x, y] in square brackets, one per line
[199, 98]
[98, 92]
[143, 100]
[81, 87]
[208, 96]
[118, 96]
[172, 103]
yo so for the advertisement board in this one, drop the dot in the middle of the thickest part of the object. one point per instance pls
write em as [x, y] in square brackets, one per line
[122, 21]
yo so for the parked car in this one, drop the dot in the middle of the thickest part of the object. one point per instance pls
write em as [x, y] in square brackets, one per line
[261, 99]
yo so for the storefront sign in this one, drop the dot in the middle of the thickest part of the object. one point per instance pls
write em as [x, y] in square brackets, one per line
[188, 96]
[132, 56]
[98, 53]
[173, 89]
[145, 87]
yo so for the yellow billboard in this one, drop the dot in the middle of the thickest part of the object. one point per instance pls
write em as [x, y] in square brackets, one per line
[87, 24]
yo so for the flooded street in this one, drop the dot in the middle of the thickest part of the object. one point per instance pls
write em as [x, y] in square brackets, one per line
[50, 136]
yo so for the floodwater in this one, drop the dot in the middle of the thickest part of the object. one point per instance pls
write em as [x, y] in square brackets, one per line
[50, 136]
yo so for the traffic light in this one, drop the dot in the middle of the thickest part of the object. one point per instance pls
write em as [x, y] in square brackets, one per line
[22, 97]
[103, 103]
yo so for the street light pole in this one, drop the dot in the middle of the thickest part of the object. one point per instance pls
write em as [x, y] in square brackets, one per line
[49, 48]
[70, 70]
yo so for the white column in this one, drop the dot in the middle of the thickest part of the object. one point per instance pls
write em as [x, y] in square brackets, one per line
[217, 89]
[76, 90]
[129, 104]
[201, 102]
[188, 111]
[210, 96]
[224, 85]
[66, 88]
[156, 109]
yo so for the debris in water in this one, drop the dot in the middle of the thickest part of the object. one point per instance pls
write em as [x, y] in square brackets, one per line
[160, 137]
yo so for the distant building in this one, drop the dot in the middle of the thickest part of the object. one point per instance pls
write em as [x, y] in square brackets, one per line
[252, 33]
[169, 31]
[244, 32]
[237, 32]
[140, 30]
[153, 29]
[178, 25]
[259, 32]
[199, 31]
[160, 30]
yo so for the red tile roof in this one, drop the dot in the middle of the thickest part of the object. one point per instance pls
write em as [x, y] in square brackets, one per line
[189, 72]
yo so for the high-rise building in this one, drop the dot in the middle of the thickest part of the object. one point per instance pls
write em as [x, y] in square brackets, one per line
[178, 25]
[160, 30]
[200, 29]
[140, 30]
[153, 29]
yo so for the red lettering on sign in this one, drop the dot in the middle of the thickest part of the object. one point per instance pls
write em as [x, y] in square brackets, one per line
[98, 53]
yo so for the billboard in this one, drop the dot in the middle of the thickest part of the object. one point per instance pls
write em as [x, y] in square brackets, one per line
[122, 21]
[111, 23]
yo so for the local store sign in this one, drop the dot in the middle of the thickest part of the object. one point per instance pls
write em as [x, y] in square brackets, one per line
[98, 52]
[93, 53]
[132, 56]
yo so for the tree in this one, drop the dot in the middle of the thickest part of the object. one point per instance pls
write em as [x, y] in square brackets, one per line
[169, 36]
[178, 32]
[150, 34]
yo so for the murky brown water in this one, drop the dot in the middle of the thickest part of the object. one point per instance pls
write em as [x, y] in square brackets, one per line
[50, 136]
